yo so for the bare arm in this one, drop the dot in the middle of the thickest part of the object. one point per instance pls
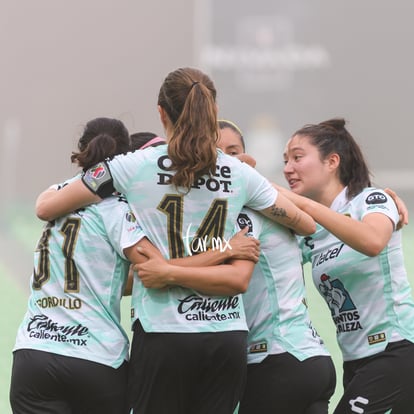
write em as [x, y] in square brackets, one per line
[226, 279]
[203, 274]
[239, 247]
[52, 203]
[130, 281]
[286, 213]
[368, 236]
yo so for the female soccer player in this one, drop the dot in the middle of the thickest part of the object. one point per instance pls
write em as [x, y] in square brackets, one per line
[188, 353]
[284, 350]
[357, 266]
[71, 351]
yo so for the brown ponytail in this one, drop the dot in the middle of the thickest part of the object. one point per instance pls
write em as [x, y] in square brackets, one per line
[102, 138]
[188, 96]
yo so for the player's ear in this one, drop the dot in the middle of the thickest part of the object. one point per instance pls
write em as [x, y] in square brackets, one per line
[163, 116]
[333, 161]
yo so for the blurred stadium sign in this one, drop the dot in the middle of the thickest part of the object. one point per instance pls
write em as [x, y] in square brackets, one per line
[280, 65]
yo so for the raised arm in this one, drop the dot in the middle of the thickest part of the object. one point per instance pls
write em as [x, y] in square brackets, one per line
[286, 213]
[53, 203]
[368, 236]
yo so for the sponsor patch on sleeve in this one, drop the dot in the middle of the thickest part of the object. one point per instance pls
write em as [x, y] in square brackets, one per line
[95, 175]
[99, 180]
[376, 198]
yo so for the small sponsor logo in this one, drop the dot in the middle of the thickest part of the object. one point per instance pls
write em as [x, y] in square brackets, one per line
[309, 242]
[197, 308]
[243, 220]
[43, 328]
[258, 348]
[326, 255]
[377, 338]
[360, 401]
[376, 198]
[130, 217]
[220, 181]
[98, 171]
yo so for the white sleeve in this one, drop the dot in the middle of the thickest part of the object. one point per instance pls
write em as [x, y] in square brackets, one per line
[377, 201]
[260, 192]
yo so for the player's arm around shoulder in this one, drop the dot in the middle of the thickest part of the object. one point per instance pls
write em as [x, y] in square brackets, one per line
[53, 203]
[226, 279]
[286, 213]
[156, 272]
[368, 236]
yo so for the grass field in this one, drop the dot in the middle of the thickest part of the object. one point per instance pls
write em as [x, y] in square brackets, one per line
[18, 237]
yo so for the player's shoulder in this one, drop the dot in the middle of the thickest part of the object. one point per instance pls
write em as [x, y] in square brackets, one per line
[115, 201]
[226, 159]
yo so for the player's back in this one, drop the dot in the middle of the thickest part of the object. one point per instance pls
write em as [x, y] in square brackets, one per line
[180, 223]
[77, 283]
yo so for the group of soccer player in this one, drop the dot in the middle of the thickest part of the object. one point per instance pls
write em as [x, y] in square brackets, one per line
[219, 315]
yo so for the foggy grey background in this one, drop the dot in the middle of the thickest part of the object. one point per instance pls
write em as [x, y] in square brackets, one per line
[277, 65]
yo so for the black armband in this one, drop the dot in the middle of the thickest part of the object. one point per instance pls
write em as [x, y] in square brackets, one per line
[99, 180]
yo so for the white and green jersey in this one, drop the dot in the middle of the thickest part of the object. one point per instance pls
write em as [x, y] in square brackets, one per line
[77, 283]
[181, 223]
[369, 297]
[276, 311]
